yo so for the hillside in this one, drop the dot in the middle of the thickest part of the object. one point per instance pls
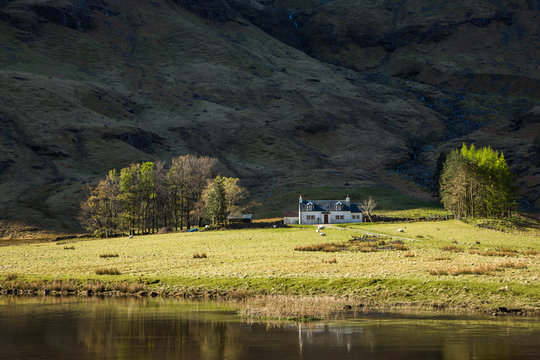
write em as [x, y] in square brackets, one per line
[286, 94]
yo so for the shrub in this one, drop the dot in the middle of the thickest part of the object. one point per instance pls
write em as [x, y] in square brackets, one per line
[69, 247]
[105, 271]
[95, 286]
[165, 230]
[452, 248]
[362, 244]
[507, 250]
[513, 265]
[478, 270]
[410, 254]
[502, 252]
[61, 285]
[331, 261]
[366, 247]
[199, 256]
[105, 256]
[11, 276]
[326, 247]
[531, 252]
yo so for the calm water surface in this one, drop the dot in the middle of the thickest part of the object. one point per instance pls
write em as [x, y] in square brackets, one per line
[93, 328]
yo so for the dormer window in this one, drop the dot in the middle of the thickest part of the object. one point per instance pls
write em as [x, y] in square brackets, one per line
[339, 206]
[309, 206]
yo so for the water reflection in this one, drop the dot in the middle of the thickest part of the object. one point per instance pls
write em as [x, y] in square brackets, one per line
[129, 328]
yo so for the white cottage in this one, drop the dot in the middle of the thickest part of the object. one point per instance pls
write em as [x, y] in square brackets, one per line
[328, 211]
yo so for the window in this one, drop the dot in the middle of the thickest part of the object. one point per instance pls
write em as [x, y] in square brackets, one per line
[309, 206]
[310, 217]
[340, 217]
[356, 217]
[339, 206]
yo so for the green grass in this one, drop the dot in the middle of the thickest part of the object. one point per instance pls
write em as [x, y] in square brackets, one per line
[263, 261]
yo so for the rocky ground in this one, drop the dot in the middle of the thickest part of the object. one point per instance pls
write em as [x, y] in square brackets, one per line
[286, 94]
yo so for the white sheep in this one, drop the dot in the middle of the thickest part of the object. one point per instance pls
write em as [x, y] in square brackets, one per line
[322, 234]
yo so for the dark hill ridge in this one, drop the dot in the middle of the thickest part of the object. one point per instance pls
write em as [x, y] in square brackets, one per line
[286, 94]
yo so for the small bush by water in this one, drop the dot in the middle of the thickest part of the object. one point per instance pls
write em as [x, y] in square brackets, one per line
[11, 276]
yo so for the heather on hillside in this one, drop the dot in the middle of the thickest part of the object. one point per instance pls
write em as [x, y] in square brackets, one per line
[477, 182]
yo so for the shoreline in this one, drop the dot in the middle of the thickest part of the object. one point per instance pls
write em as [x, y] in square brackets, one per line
[260, 304]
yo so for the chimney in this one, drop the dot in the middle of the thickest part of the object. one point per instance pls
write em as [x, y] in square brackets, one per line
[348, 201]
[300, 210]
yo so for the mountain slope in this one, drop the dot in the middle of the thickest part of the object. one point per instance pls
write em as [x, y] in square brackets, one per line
[91, 85]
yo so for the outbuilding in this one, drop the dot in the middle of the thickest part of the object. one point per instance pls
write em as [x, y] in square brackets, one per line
[239, 218]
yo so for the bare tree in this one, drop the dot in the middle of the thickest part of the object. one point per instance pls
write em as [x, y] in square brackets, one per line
[163, 203]
[99, 213]
[190, 175]
[235, 194]
[367, 207]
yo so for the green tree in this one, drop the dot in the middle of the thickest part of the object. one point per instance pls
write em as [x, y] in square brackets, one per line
[163, 190]
[147, 188]
[130, 197]
[145, 196]
[216, 201]
[477, 182]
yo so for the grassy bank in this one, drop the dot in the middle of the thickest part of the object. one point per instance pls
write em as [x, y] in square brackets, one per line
[440, 265]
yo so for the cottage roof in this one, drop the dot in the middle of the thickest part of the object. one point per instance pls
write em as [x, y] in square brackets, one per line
[330, 205]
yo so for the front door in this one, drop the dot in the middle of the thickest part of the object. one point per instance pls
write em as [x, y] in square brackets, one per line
[326, 218]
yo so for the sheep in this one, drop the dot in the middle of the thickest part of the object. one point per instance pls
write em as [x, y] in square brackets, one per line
[322, 234]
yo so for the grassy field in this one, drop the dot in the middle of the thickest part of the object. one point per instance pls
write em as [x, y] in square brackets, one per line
[443, 265]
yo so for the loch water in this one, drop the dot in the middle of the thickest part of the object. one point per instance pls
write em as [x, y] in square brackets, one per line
[155, 328]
